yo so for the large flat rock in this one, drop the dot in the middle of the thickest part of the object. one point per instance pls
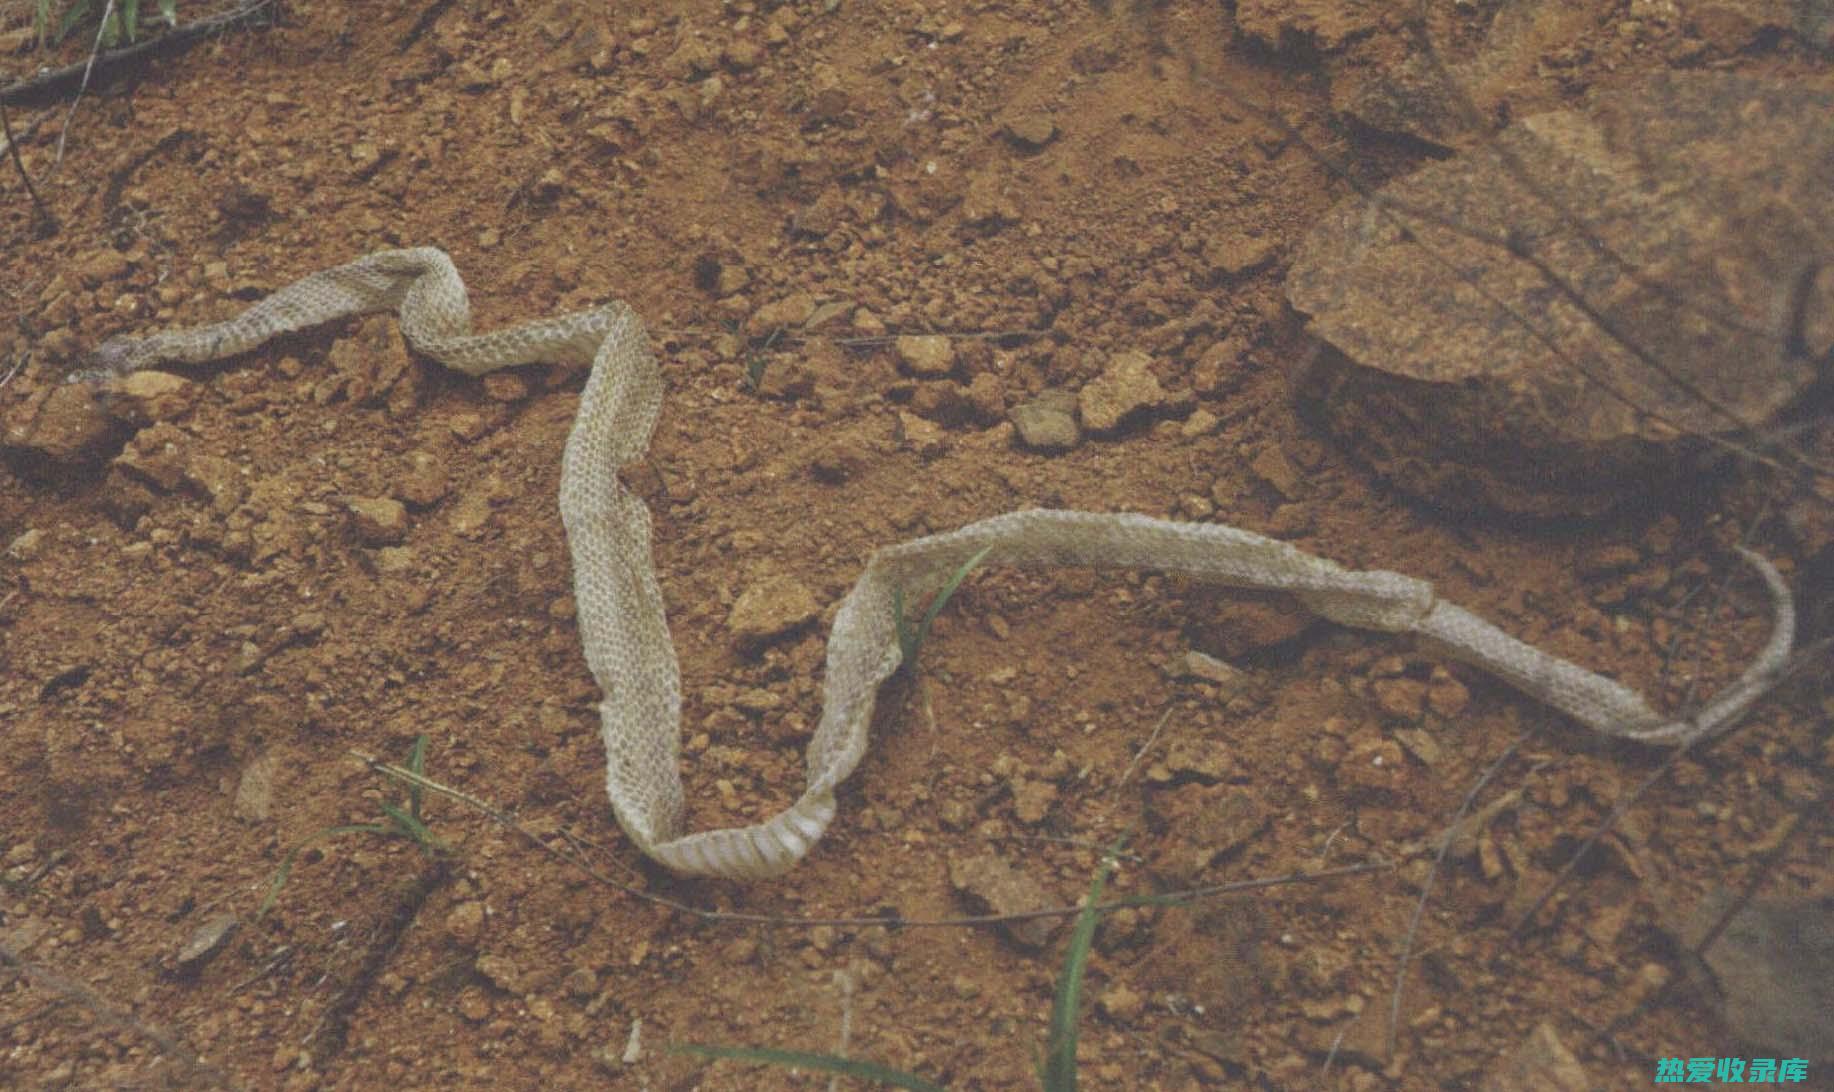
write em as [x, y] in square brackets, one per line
[1555, 321]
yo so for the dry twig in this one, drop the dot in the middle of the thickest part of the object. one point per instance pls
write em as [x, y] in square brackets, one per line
[109, 1013]
[55, 84]
[504, 819]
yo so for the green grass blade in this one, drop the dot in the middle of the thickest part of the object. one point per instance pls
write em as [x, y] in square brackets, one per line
[909, 643]
[73, 15]
[406, 826]
[417, 762]
[820, 1063]
[286, 865]
[168, 10]
[1060, 1050]
[404, 821]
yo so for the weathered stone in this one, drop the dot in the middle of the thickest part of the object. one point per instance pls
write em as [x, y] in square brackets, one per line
[991, 885]
[1542, 1063]
[158, 455]
[1772, 971]
[1271, 465]
[255, 788]
[1433, 98]
[1125, 390]
[692, 58]
[1031, 131]
[27, 545]
[1120, 1004]
[1032, 800]
[920, 435]
[148, 396]
[379, 521]
[1400, 699]
[1193, 664]
[1048, 422]
[986, 397]
[368, 363]
[836, 461]
[474, 1004]
[1325, 24]
[501, 970]
[1407, 97]
[1235, 254]
[789, 312]
[1445, 695]
[465, 923]
[1732, 26]
[207, 942]
[68, 424]
[820, 217]
[1204, 822]
[423, 483]
[100, 266]
[220, 479]
[926, 354]
[1492, 387]
[1372, 762]
[770, 608]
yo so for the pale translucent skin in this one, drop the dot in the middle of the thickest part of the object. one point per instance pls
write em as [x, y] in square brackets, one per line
[625, 633]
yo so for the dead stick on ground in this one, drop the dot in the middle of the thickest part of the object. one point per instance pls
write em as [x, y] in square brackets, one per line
[334, 1026]
[55, 84]
[42, 214]
[1801, 661]
[502, 818]
[1767, 861]
[1432, 876]
[109, 1013]
[1145, 749]
[89, 67]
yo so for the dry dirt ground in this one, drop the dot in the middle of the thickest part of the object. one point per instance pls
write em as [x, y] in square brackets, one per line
[194, 635]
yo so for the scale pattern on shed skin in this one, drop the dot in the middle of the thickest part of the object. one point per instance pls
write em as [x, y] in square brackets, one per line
[625, 633]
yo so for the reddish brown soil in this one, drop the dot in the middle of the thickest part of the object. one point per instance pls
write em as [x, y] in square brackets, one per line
[164, 645]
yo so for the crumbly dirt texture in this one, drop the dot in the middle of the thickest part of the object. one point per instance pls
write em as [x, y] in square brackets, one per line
[212, 589]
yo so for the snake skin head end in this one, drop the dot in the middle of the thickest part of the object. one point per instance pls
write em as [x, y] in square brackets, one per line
[112, 359]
